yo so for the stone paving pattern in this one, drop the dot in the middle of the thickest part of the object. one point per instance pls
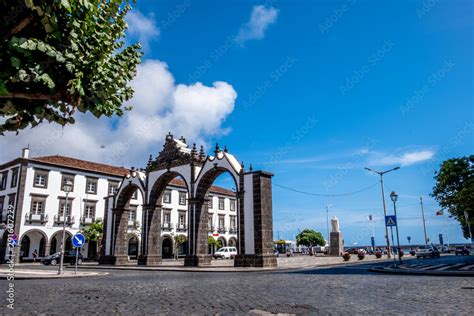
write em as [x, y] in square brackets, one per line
[337, 290]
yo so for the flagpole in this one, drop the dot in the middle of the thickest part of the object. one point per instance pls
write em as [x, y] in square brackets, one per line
[423, 216]
[446, 229]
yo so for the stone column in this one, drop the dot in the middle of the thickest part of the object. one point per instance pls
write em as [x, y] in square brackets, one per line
[151, 254]
[120, 236]
[262, 255]
[197, 235]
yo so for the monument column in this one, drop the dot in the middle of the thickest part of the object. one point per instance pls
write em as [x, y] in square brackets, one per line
[336, 243]
[120, 248]
[151, 245]
[198, 253]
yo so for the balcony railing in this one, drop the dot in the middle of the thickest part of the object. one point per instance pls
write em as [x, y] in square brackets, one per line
[166, 226]
[211, 228]
[133, 224]
[59, 219]
[233, 230]
[181, 227]
[221, 230]
[85, 220]
[36, 218]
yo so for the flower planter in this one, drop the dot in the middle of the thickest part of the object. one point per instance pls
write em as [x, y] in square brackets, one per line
[346, 256]
[401, 253]
[378, 254]
[361, 255]
[412, 253]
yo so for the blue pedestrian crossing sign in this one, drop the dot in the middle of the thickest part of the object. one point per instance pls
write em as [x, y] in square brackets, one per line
[390, 220]
[78, 240]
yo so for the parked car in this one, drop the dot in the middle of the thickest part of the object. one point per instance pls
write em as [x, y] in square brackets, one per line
[427, 251]
[69, 257]
[463, 251]
[226, 253]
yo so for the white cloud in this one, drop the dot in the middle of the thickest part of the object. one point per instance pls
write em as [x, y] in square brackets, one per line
[404, 159]
[159, 105]
[141, 27]
[260, 18]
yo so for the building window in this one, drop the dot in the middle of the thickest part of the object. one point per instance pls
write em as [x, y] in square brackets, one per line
[2, 203]
[113, 187]
[182, 219]
[209, 205]
[37, 205]
[221, 203]
[221, 221]
[182, 198]
[62, 206]
[3, 180]
[132, 214]
[233, 222]
[11, 199]
[67, 177]
[232, 205]
[209, 222]
[14, 180]
[167, 197]
[41, 178]
[89, 210]
[91, 186]
[166, 218]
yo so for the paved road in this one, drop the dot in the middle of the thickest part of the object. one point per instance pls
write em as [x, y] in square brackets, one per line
[342, 289]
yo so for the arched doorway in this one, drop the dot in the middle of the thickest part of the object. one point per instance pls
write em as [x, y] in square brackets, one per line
[133, 247]
[167, 248]
[4, 248]
[232, 242]
[31, 241]
[56, 240]
[222, 241]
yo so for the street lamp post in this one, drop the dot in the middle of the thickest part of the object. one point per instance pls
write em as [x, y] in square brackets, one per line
[67, 187]
[424, 222]
[327, 222]
[381, 173]
[394, 197]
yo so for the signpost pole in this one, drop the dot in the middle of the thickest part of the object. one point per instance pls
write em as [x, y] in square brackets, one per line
[77, 255]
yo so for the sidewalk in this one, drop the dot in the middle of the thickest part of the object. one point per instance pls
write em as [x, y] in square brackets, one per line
[25, 274]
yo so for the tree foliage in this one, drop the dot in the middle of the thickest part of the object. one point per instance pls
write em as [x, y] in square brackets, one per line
[178, 241]
[59, 56]
[310, 238]
[454, 189]
[94, 231]
[214, 242]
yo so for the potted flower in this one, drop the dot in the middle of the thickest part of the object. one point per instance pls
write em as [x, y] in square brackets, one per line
[361, 255]
[346, 256]
[412, 252]
[378, 254]
[401, 253]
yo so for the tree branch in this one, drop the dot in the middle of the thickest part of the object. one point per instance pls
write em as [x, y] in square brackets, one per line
[17, 29]
[31, 96]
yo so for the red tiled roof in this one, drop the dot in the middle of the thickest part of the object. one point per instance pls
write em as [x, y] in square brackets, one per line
[82, 164]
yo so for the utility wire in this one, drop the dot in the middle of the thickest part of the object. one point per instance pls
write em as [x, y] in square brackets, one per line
[327, 195]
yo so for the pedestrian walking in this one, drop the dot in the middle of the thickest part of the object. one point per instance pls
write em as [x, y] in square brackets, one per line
[35, 255]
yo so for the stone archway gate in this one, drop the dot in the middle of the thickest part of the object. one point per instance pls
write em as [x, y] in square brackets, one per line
[198, 170]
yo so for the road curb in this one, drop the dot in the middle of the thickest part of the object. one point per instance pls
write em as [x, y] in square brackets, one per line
[422, 272]
[52, 276]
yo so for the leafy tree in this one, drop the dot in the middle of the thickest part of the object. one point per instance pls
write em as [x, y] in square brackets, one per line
[215, 243]
[58, 57]
[454, 190]
[94, 232]
[310, 238]
[178, 241]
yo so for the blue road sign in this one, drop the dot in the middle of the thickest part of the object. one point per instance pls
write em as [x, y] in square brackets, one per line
[78, 240]
[390, 220]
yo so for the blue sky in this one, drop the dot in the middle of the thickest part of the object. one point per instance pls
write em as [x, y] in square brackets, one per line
[313, 91]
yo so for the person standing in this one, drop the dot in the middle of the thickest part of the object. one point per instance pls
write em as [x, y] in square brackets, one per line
[35, 255]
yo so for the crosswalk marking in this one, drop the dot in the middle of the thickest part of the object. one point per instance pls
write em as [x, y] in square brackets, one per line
[431, 267]
[467, 267]
[450, 266]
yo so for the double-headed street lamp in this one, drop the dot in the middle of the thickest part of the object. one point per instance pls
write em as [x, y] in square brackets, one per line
[394, 197]
[381, 173]
[67, 187]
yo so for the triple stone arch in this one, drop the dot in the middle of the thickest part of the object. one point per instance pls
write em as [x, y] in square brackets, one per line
[198, 171]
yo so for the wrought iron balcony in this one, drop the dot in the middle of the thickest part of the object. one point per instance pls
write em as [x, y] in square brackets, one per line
[211, 228]
[59, 219]
[133, 224]
[233, 230]
[87, 220]
[181, 227]
[221, 230]
[167, 226]
[36, 218]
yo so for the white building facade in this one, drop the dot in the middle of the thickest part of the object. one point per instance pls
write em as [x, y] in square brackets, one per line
[34, 187]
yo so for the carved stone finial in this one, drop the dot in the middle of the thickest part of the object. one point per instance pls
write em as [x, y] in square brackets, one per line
[251, 168]
[217, 149]
[169, 136]
[194, 153]
[225, 148]
[183, 139]
[202, 155]
[133, 168]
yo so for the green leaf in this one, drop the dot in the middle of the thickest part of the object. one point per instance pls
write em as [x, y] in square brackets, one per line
[15, 62]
